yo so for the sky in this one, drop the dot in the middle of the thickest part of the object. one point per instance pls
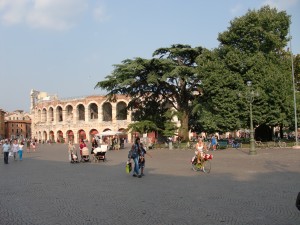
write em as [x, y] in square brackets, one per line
[65, 47]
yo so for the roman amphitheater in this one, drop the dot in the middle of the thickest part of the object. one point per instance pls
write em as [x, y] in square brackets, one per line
[72, 119]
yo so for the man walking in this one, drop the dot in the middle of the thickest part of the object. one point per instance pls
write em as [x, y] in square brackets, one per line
[6, 148]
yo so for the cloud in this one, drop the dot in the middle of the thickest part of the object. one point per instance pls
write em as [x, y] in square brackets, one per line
[236, 9]
[45, 14]
[281, 4]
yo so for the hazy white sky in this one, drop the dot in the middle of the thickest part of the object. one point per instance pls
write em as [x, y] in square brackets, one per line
[65, 47]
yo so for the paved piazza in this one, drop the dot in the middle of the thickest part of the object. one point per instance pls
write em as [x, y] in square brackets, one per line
[45, 188]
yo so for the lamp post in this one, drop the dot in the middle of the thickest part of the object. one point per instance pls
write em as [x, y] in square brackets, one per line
[294, 93]
[250, 98]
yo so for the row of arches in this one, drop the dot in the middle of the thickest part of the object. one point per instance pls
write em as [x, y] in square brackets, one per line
[68, 136]
[81, 112]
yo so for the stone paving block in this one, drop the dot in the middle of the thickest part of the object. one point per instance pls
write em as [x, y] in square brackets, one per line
[241, 189]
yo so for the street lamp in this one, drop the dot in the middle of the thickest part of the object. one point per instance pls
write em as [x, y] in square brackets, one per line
[250, 98]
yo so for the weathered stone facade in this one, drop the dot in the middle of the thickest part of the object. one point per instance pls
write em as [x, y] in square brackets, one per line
[73, 119]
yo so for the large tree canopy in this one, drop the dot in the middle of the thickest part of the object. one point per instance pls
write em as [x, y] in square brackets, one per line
[169, 80]
[251, 49]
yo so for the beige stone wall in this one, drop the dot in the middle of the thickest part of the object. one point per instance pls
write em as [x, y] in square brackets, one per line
[60, 118]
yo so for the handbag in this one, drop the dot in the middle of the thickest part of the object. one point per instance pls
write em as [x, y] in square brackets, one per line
[128, 167]
[10, 154]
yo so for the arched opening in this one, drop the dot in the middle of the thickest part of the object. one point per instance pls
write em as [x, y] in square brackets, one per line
[45, 136]
[81, 135]
[39, 116]
[70, 136]
[107, 111]
[121, 111]
[60, 137]
[51, 114]
[44, 115]
[69, 112]
[93, 111]
[51, 136]
[92, 133]
[81, 112]
[59, 114]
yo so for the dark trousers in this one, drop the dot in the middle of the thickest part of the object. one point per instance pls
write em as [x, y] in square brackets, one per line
[5, 157]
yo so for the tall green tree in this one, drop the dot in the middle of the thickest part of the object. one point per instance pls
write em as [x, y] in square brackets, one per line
[169, 79]
[251, 49]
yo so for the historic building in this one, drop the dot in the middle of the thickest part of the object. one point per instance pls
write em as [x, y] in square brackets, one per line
[17, 125]
[2, 124]
[72, 119]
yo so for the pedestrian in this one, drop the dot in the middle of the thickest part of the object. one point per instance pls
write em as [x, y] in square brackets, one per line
[94, 145]
[142, 159]
[214, 142]
[15, 149]
[134, 154]
[81, 146]
[200, 147]
[28, 145]
[21, 145]
[6, 149]
[33, 144]
[71, 150]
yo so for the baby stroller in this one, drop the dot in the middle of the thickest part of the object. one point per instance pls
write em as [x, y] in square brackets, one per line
[74, 157]
[85, 156]
[99, 153]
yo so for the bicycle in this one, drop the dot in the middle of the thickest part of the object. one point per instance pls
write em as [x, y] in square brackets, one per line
[203, 165]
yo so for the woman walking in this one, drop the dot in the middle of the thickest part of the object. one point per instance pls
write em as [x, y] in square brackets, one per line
[15, 149]
[21, 145]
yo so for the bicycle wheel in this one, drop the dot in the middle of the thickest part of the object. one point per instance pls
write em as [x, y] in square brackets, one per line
[206, 166]
[196, 166]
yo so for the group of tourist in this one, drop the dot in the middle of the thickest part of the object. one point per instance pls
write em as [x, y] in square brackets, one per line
[14, 148]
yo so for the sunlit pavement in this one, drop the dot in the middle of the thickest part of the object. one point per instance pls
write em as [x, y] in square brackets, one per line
[45, 188]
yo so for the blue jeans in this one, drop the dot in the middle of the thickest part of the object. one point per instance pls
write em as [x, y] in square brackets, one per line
[20, 154]
[136, 166]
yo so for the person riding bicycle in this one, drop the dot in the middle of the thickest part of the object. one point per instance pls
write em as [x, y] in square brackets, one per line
[200, 146]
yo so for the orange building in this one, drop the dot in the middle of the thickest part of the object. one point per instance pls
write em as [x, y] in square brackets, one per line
[17, 125]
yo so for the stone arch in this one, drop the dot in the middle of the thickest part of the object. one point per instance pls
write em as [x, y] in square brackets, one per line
[44, 115]
[81, 112]
[70, 136]
[69, 112]
[51, 114]
[92, 134]
[93, 111]
[121, 111]
[107, 111]
[81, 135]
[45, 136]
[39, 115]
[59, 113]
[51, 136]
[60, 136]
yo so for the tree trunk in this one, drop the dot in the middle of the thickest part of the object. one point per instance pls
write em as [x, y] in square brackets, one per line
[184, 128]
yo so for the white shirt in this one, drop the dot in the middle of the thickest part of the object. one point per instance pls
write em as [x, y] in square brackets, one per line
[15, 147]
[21, 147]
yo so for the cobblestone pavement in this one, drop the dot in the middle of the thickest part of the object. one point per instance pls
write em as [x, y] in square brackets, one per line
[45, 188]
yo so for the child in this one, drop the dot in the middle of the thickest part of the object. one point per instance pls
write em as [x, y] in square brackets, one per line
[142, 159]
